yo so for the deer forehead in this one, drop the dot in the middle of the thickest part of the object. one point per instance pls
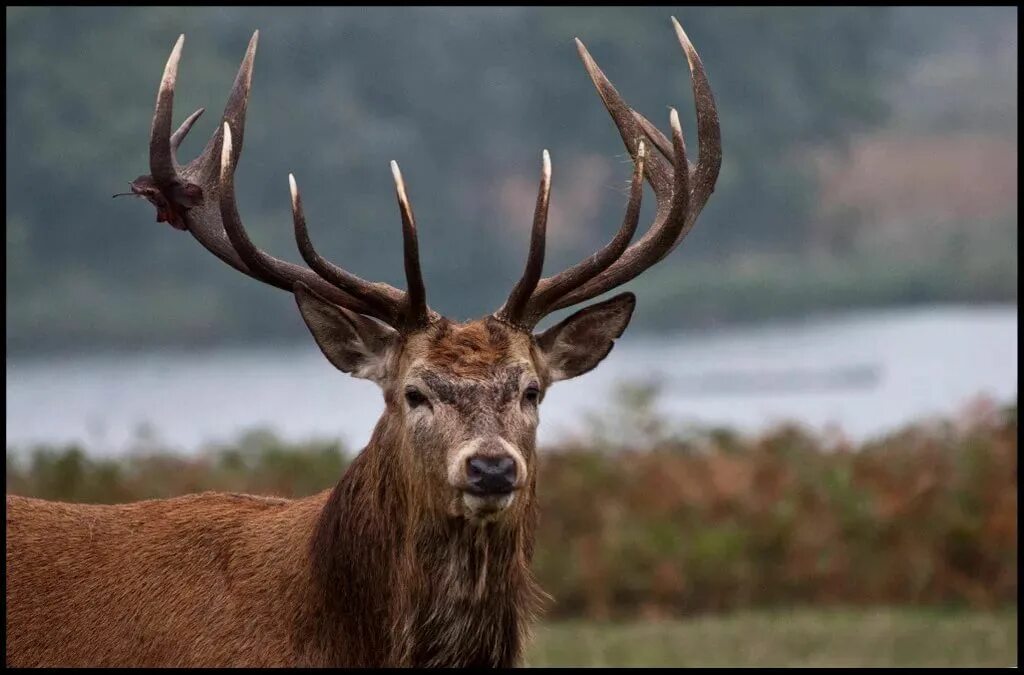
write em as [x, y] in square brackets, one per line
[484, 350]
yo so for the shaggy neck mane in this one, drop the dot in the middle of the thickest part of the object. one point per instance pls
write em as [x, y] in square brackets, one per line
[398, 583]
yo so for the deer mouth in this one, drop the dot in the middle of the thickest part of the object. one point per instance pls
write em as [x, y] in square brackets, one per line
[479, 506]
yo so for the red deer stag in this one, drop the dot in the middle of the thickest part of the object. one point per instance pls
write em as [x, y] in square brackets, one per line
[420, 554]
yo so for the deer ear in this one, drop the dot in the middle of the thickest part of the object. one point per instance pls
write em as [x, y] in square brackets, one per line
[355, 344]
[580, 342]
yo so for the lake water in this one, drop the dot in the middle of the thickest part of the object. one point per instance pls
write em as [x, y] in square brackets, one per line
[866, 372]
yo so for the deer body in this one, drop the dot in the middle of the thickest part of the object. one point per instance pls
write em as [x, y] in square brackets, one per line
[420, 555]
[244, 580]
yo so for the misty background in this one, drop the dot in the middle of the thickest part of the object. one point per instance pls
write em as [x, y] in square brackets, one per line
[869, 159]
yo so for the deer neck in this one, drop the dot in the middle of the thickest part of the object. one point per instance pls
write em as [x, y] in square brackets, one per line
[399, 584]
[475, 595]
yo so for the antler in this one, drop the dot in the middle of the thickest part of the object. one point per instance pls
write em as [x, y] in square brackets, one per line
[680, 191]
[200, 197]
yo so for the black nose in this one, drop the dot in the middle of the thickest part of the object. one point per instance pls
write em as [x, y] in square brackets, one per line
[491, 475]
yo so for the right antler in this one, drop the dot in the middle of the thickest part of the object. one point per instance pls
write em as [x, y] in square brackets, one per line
[680, 191]
[200, 197]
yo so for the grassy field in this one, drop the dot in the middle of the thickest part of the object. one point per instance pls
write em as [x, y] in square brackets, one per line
[841, 638]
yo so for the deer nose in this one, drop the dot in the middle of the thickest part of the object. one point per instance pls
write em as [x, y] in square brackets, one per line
[491, 474]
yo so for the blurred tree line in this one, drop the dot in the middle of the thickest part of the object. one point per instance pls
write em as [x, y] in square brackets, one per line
[464, 98]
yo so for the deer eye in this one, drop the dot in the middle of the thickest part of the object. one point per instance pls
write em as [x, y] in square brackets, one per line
[414, 397]
[532, 394]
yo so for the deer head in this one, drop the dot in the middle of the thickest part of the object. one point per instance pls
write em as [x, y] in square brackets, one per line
[462, 399]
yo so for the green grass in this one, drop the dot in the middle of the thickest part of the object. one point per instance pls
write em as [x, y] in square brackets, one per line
[841, 638]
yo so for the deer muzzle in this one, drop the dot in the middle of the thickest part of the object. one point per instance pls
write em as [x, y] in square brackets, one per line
[487, 472]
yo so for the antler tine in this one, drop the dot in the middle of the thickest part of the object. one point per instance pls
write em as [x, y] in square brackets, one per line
[709, 133]
[550, 288]
[416, 312]
[709, 157]
[255, 259]
[515, 307]
[178, 136]
[234, 112]
[658, 171]
[161, 157]
[384, 298]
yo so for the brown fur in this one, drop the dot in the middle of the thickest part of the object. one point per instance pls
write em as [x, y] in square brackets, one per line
[474, 350]
[378, 571]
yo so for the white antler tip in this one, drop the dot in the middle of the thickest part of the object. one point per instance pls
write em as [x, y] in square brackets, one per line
[293, 188]
[679, 29]
[545, 171]
[171, 67]
[673, 118]
[684, 40]
[396, 173]
[225, 150]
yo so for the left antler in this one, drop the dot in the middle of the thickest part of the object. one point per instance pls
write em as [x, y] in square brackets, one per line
[680, 191]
